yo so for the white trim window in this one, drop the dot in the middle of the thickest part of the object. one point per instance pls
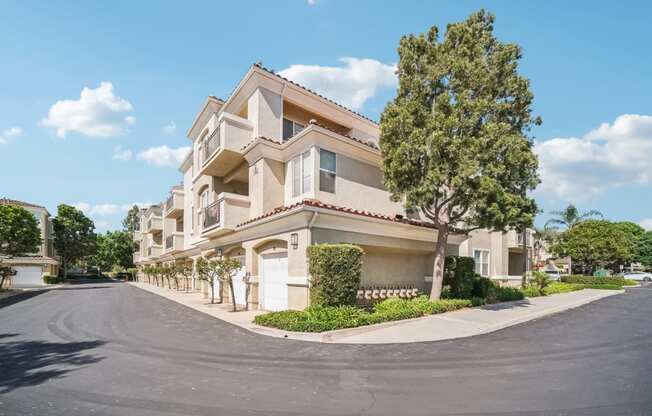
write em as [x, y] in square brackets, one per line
[481, 259]
[291, 128]
[301, 174]
[327, 170]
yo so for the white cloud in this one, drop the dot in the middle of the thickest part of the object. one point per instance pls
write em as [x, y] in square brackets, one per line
[350, 85]
[10, 132]
[170, 128]
[97, 113]
[104, 210]
[646, 223]
[312, 2]
[610, 156]
[164, 156]
[122, 154]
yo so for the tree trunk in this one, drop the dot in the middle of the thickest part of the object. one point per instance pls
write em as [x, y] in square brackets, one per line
[212, 282]
[440, 256]
[232, 294]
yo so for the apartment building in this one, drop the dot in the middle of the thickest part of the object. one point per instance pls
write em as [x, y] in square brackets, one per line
[276, 168]
[31, 268]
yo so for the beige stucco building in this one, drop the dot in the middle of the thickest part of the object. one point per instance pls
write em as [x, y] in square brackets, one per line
[31, 268]
[276, 168]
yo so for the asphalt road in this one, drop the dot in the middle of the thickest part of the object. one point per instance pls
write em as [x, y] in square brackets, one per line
[112, 349]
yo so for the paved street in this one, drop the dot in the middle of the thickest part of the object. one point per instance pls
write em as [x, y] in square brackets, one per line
[113, 349]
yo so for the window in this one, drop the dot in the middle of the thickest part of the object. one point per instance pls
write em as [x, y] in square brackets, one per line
[481, 258]
[301, 174]
[291, 128]
[327, 170]
[203, 199]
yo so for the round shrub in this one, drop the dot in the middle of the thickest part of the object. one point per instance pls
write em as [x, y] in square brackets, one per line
[334, 273]
[459, 275]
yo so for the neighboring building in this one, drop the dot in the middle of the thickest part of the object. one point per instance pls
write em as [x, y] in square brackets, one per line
[32, 267]
[276, 168]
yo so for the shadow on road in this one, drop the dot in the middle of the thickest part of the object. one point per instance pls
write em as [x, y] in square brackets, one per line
[28, 363]
[507, 305]
[28, 294]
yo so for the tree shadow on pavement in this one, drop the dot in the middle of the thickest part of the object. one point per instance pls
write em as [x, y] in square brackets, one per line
[28, 363]
[507, 305]
[19, 297]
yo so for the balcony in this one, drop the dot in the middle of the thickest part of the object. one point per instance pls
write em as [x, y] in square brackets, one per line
[154, 225]
[515, 239]
[154, 251]
[174, 204]
[224, 215]
[174, 242]
[220, 153]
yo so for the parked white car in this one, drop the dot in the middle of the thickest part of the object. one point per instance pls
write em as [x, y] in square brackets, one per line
[553, 274]
[638, 276]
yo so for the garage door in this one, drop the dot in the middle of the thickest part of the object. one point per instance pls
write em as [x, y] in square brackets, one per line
[28, 276]
[239, 287]
[275, 279]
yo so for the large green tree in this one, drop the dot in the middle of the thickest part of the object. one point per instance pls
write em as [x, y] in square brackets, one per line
[19, 231]
[19, 235]
[114, 249]
[74, 236]
[594, 244]
[569, 217]
[455, 140]
[643, 250]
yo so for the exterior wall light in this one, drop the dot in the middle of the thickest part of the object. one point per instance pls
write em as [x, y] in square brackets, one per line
[294, 240]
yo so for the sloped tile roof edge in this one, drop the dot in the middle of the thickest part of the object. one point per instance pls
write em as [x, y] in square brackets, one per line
[317, 204]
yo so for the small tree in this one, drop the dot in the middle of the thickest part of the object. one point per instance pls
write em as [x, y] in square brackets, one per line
[643, 250]
[454, 141]
[132, 221]
[540, 281]
[228, 267]
[168, 272]
[74, 236]
[5, 272]
[186, 271]
[209, 271]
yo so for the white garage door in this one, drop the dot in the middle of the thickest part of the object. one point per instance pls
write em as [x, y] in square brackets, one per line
[275, 278]
[239, 287]
[28, 276]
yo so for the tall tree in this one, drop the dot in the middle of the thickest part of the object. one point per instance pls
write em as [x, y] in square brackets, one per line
[19, 235]
[569, 217]
[74, 236]
[454, 140]
[593, 244]
[132, 221]
[19, 231]
[114, 249]
[643, 251]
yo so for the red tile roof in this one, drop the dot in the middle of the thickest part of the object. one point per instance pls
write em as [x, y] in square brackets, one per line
[317, 204]
[7, 201]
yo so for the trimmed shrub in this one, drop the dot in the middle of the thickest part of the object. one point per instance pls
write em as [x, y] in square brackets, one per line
[334, 273]
[482, 287]
[594, 280]
[459, 276]
[319, 318]
[52, 280]
[507, 294]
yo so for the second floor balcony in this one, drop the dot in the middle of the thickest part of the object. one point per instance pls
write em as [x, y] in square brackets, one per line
[223, 215]
[154, 225]
[174, 204]
[154, 251]
[220, 152]
[174, 242]
[517, 238]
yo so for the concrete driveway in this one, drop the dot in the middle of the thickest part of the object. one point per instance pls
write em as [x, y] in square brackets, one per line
[112, 349]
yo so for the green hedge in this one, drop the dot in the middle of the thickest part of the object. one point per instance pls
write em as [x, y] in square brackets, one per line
[52, 280]
[318, 318]
[594, 280]
[459, 276]
[334, 273]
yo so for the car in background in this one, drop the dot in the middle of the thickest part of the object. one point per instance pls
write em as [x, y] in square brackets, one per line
[638, 276]
[553, 274]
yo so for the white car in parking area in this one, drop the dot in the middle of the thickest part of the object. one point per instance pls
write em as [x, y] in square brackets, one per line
[638, 276]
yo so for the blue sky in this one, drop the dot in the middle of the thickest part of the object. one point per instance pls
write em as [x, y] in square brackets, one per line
[589, 64]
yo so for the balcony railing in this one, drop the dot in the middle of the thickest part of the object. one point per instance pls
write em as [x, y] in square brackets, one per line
[168, 203]
[519, 238]
[211, 215]
[211, 145]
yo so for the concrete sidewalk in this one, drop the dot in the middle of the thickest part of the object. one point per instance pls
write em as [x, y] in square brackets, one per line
[451, 325]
